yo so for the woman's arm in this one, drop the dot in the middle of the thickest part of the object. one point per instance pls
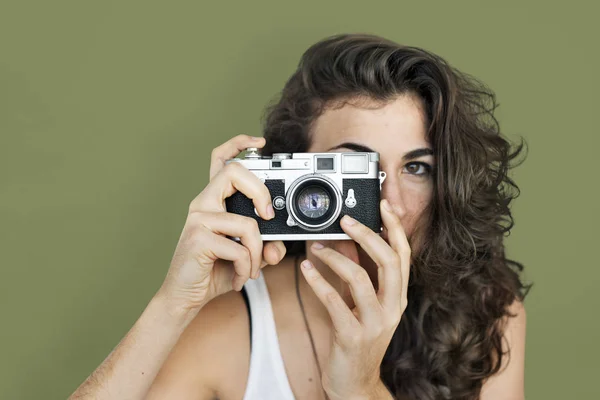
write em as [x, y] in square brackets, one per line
[509, 382]
[205, 265]
[132, 366]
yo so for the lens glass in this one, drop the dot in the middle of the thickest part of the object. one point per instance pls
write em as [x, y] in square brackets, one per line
[313, 201]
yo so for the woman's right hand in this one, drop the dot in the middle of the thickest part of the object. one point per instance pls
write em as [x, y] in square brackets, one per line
[206, 263]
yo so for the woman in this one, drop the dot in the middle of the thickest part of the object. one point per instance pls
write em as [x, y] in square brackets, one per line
[429, 309]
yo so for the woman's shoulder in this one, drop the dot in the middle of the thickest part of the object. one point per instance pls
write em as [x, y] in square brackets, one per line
[221, 328]
[214, 348]
[514, 321]
[512, 370]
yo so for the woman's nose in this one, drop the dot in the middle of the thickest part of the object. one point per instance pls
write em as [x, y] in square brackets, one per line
[390, 190]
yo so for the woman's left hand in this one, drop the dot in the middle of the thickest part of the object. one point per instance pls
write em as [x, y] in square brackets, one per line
[361, 335]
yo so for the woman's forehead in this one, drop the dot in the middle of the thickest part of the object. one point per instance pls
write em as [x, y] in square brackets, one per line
[395, 127]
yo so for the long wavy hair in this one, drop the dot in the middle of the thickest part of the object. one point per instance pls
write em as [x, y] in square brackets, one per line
[450, 337]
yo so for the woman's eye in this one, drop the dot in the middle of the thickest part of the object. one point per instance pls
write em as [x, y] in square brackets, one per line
[418, 168]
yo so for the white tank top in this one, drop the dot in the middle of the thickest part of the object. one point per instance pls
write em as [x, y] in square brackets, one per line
[267, 379]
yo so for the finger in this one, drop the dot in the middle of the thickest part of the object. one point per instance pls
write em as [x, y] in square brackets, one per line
[342, 318]
[398, 242]
[234, 177]
[230, 149]
[239, 226]
[219, 247]
[273, 252]
[347, 248]
[358, 280]
[387, 259]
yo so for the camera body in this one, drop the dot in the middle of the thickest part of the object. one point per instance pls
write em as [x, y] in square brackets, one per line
[311, 192]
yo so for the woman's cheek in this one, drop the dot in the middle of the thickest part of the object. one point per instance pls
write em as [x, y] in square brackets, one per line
[417, 220]
[415, 202]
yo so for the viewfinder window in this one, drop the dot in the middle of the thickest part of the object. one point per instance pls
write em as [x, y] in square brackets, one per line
[325, 164]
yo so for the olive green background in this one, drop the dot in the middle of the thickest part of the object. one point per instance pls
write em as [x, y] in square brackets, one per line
[109, 111]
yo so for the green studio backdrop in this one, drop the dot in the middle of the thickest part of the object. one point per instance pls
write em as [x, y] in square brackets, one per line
[109, 111]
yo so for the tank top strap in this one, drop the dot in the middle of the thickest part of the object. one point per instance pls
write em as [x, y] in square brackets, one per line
[267, 379]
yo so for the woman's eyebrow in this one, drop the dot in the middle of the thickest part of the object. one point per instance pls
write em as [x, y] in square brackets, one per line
[353, 146]
[425, 151]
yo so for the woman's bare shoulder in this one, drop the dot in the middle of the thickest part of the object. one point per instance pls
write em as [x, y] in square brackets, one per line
[212, 357]
[214, 348]
[509, 381]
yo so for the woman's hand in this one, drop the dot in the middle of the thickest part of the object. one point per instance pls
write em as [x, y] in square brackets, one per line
[362, 334]
[206, 263]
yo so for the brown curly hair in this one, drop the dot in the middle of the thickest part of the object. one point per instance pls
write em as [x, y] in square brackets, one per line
[450, 337]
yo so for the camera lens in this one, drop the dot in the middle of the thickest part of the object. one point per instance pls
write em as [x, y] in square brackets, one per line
[313, 202]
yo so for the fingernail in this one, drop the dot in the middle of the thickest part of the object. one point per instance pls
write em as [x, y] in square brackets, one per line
[387, 205]
[256, 139]
[348, 220]
[306, 264]
[317, 245]
[270, 211]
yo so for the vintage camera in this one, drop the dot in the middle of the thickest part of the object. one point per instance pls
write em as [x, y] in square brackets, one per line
[311, 192]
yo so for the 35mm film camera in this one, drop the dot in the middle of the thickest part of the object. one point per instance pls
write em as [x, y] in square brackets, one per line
[311, 192]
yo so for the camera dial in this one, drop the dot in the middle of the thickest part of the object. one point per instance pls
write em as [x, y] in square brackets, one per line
[252, 153]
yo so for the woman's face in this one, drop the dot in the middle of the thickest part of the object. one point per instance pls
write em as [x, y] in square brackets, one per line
[396, 131]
